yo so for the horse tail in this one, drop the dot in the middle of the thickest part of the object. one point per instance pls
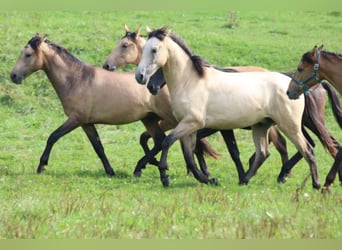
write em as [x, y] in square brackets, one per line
[208, 150]
[335, 103]
[314, 121]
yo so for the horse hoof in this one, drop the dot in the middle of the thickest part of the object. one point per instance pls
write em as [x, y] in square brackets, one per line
[214, 181]
[316, 186]
[165, 181]
[110, 172]
[281, 180]
[243, 183]
[40, 170]
[137, 174]
[325, 190]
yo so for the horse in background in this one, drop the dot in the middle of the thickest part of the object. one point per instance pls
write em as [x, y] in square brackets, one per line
[315, 66]
[129, 49]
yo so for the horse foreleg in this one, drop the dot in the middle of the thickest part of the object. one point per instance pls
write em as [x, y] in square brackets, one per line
[144, 137]
[188, 143]
[94, 138]
[261, 153]
[182, 130]
[158, 138]
[229, 139]
[64, 129]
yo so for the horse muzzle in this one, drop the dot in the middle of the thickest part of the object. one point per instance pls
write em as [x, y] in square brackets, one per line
[141, 78]
[109, 67]
[17, 78]
[293, 94]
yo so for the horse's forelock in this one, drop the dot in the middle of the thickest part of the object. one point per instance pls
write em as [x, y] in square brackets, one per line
[159, 33]
[307, 58]
[130, 35]
[35, 42]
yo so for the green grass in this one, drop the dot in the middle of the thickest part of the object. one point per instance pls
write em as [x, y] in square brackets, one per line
[74, 198]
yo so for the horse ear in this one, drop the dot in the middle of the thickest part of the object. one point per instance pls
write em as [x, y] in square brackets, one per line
[320, 47]
[313, 51]
[45, 37]
[137, 32]
[148, 29]
[126, 28]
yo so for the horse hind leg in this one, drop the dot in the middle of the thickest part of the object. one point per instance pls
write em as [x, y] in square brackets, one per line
[158, 135]
[337, 166]
[94, 138]
[229, 138]
[287, 167]
[260, 139]
[307, 152]
[144, 137]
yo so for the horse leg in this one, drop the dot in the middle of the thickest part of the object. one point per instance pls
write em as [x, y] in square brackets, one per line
[181, 130]
[260, 138]
[64, 129]
[287, 167]
[298, 139]
[229, 139]
[337, 166]
[279, 142]
[158, 136]
[143, 143]
[94, 138]
[189, 143]
[199, 151]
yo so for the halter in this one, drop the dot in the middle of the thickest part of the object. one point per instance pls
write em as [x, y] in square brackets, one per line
[313, 76]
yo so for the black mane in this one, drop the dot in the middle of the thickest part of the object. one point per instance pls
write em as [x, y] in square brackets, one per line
[197, 61]
[78, 67]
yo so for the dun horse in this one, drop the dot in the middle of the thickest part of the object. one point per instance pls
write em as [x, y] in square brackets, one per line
[204, 97]
[314, 67]
[129, 49]
[92, 95]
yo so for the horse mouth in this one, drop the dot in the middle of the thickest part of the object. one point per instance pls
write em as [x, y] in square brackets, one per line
[16, 79]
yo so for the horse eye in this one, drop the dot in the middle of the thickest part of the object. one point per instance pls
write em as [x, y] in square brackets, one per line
[300, 70]
[27, 55]
[125, 45]
[154, 50]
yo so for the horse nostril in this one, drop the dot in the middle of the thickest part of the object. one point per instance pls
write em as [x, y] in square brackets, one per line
[13, 76]
[105, 66]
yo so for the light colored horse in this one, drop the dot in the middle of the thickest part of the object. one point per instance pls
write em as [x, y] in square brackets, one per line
[92, 95]
[128, 51]
[314, 67]
[204, 97]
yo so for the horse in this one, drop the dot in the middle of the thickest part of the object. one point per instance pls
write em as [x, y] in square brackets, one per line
[91, 95]
[129, 49]
[315, 66]
[205, 97]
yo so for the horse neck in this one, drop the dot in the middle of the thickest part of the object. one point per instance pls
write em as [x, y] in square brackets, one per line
[140, 42]
[58, 72]
[331, 70]
[178, 68]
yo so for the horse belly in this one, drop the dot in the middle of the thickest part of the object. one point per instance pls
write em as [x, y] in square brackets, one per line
[233, 120]
[232, 109]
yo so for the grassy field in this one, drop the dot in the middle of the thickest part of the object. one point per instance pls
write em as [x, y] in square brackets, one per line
[74, 198]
